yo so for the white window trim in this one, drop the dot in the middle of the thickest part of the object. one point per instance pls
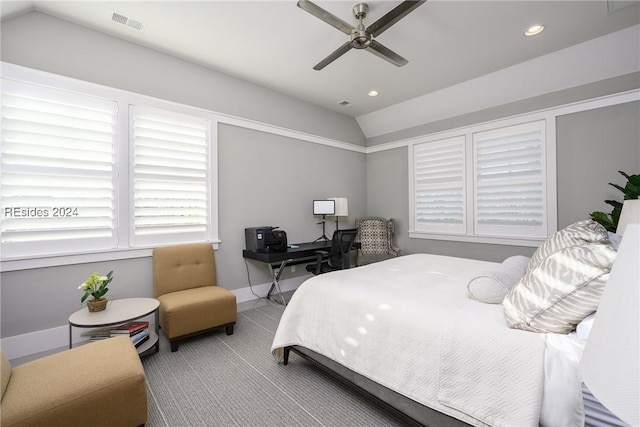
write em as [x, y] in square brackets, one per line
[29, 75]
[123, 250]
[550, 115]
[467, 132]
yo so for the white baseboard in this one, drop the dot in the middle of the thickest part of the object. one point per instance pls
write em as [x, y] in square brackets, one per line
[54, 338]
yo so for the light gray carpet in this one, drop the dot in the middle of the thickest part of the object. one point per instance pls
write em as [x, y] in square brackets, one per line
[220, 380]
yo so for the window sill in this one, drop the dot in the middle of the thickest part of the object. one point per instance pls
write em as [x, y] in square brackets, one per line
[27, 263]
[507, 241]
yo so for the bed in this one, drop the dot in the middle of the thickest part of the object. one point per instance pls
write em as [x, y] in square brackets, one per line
[407, 331]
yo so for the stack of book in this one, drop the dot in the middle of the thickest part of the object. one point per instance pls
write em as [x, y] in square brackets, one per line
[137, 331]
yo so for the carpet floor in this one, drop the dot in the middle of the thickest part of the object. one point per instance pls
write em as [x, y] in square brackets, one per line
[221, 380]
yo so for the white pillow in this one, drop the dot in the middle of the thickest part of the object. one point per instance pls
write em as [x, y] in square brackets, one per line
[584, 327]
[615, 240]
[493, 285]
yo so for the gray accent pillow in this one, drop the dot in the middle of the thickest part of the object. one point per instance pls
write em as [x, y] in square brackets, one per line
[493, 285]
[564, 288]
[579, 233]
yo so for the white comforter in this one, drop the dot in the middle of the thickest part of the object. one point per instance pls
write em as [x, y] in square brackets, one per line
[408, 324]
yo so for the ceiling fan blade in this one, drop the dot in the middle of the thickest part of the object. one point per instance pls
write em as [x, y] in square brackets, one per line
[327, 17]
[385, 53]
[396, 14]
[333, 56]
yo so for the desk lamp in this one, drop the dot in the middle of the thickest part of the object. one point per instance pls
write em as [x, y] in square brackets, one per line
[610, 361]
[324, 208]
[342, 208]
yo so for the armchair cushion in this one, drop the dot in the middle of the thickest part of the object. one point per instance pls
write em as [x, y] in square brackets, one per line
[5, 372]
[197, 309]
[64, 389]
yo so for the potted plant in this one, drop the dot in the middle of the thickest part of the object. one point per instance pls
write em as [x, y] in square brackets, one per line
[96, 286]
[631, 191]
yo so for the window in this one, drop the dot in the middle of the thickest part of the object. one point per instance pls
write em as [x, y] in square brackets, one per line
[104, 170]
[487, 185]
[440, 186]
[509, 185]
[170, 177]
[58, 176]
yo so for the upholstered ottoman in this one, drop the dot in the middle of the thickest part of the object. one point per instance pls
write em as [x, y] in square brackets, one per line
[97, 384]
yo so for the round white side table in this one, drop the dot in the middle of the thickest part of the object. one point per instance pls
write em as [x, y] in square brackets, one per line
[117, 312]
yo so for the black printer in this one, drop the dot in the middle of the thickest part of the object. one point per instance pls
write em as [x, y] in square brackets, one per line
[265, 239]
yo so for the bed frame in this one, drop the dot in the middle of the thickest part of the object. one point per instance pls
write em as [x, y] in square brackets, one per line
[409, 410]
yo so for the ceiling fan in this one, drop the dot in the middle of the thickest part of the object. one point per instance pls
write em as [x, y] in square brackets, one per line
[361, 37]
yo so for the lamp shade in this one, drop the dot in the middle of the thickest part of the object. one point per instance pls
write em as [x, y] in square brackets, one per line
[630, 215]
[342, 206]
[610, 362]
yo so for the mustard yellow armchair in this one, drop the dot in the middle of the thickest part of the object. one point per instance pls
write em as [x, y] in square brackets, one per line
[96, 384]
[191, 303]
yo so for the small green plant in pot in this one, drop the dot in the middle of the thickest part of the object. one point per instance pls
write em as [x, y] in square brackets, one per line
[96, 286]
[631, 191]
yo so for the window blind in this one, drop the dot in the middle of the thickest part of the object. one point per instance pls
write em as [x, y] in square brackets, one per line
[170, 177]
[57, 179]
[439, 170]
[510, 184]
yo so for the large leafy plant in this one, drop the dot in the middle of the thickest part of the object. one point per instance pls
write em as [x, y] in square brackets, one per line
[631, 191]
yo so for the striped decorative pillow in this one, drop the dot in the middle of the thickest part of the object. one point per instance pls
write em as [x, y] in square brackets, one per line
[579, 233]
[561, 290]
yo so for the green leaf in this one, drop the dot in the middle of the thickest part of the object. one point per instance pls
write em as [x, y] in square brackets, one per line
[614, 203]
[603, 219]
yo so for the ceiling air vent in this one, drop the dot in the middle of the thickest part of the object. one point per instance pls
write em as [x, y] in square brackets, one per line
[344, 103]
[129, 22]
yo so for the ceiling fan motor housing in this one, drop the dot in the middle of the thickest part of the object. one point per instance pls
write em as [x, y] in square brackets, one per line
[360, 37]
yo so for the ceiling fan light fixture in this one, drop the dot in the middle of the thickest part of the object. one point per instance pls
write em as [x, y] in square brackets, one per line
[534, 30]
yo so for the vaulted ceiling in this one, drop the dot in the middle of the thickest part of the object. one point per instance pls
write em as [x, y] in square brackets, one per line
[276, 44]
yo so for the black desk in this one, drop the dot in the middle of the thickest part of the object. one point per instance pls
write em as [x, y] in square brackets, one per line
[297, 253]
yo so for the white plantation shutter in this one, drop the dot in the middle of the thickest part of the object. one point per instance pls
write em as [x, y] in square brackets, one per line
[510, 185]
[171, 201]
[439, 172]
[57, 180]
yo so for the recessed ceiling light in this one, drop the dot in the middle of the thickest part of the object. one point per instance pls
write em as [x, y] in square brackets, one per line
[373, 93]
[533, 30]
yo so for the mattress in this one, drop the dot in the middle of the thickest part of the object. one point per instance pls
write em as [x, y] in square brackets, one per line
[409, 325]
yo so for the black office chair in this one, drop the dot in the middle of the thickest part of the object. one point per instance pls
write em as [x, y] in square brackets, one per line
[342, 243]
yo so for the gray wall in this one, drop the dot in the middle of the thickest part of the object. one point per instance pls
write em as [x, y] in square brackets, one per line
[264, 179]
[268, 179]
[592, 146]
[46, 43]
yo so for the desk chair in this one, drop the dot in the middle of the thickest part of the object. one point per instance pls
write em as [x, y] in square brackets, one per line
[339, 258]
